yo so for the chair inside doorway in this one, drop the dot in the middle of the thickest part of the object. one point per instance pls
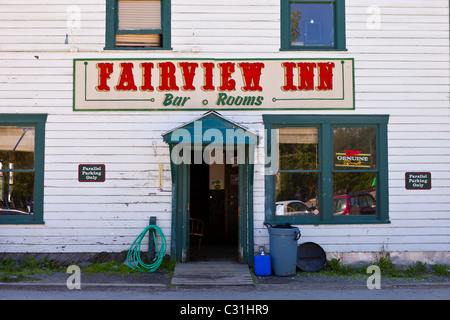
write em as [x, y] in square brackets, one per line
[196, 233]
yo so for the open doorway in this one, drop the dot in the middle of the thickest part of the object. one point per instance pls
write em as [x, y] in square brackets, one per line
[180, 139]
[214, 194]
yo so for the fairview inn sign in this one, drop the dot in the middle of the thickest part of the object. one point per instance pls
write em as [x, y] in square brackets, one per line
[191, 84]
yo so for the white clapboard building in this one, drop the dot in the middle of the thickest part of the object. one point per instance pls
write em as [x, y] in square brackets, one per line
[332, 116]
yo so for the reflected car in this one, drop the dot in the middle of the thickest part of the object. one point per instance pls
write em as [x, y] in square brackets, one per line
[12, 212]
[293, 207]
[354, 204]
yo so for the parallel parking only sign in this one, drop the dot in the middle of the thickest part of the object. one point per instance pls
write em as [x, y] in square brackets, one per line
[418, 180]
[152, 84]
[91, 173]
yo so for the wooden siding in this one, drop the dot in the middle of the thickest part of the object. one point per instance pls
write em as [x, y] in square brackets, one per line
[401, 68]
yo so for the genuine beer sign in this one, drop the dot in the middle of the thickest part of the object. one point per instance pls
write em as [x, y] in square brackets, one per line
[147, 84]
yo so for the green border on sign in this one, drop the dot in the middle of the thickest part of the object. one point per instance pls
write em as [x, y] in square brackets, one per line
[209, 108]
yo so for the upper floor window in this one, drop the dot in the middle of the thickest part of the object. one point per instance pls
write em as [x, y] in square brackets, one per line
[137, 24]
[312, 25]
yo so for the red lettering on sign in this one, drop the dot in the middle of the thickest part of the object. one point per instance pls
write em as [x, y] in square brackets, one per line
[146, 76]
[306, 75]
[167, 79]
[104, 73]
[208, 68]
[188, 72]
[288, 76]
[251, 74]
[226, 70]
[325, 75]
[298, 76]
[126, 79]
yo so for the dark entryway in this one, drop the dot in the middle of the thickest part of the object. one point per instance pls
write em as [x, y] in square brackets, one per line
[214, 194]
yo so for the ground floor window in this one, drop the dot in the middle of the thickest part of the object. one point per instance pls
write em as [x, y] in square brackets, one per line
[328, 169]
[21, 168]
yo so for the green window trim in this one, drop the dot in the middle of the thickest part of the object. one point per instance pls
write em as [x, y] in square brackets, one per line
[339, 27]
[38, 122]
[325, 123]
[112, 27]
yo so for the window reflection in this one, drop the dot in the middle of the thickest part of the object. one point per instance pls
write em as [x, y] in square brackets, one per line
[298, 148]
[354, 193]
[16, 170]
[16, 148]
[312, 24]
[16, 193]
[297, 193]
[298, 176]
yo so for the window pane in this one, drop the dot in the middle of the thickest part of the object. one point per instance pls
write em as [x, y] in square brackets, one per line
[139, 15]
[354, 193]
[298, 148]
[312, 24]
[16, 193]
[16, 148]
[354, 148]
[296, 193]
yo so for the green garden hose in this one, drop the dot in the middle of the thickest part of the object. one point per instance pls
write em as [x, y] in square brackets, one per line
[134, 254]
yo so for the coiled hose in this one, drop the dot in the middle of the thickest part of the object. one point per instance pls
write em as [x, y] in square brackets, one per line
[134, 254]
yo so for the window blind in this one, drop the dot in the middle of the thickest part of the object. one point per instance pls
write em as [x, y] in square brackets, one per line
[297, 135]
[139, 15]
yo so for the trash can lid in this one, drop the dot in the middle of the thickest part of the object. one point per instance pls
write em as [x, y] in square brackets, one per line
[310, 257]
[283, 226]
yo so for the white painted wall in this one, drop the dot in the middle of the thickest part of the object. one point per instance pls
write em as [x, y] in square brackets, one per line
[402, 68]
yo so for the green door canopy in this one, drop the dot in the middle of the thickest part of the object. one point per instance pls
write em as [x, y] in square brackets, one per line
[211, 127]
